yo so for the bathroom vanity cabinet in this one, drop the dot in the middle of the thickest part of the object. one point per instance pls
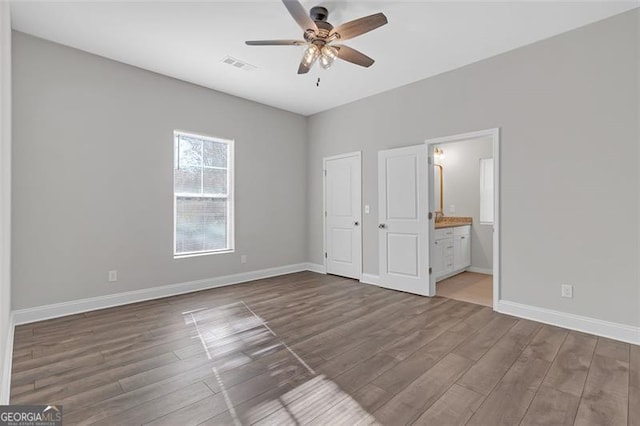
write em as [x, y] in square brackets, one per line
[451, 251]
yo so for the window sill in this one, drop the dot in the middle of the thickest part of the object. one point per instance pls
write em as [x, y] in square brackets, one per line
[203, 253]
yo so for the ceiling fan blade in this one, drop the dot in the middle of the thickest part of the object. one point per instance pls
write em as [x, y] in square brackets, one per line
[352, 55]
[275, 42]
[359, 26]
[300, 14]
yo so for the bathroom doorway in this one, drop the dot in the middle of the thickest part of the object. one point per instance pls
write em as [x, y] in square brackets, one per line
[464, 230]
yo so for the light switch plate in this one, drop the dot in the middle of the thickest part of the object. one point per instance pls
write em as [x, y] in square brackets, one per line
[567, 291]
[452, 208]
[366, 209]
[113, 276]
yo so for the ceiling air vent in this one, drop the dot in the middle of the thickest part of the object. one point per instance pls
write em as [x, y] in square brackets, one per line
[238, 64]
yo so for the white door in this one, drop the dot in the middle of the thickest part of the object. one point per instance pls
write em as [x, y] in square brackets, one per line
[403, 235]
[343, 235]
[437, 258]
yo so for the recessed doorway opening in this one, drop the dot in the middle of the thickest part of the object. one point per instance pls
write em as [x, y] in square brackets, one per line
[464, 232]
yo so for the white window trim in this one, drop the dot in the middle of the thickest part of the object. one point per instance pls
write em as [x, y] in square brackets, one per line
[229, 196]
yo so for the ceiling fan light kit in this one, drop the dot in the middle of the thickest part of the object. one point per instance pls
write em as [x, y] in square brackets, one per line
[318, 34]
[310, 55]
[327, 56]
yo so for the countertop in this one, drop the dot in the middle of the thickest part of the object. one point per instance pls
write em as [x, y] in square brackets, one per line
[451, 221]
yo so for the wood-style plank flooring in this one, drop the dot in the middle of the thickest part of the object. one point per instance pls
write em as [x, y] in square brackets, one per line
[322, 350]
[468, 287]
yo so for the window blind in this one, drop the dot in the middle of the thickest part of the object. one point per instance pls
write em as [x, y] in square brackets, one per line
[202, 194]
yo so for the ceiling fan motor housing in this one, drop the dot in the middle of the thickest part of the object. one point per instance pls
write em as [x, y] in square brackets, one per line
[319, 13]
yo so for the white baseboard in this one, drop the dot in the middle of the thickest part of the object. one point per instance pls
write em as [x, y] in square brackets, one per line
[477, 270]
[612, 330]
[316, 267]
[39, 313]
[5, 378]
[370, 279]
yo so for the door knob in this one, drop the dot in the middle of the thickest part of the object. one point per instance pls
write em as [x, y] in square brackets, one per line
[356, 223]
[382, 226]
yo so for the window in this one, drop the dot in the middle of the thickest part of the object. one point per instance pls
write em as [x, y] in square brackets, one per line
[203, 194]
[486, 190]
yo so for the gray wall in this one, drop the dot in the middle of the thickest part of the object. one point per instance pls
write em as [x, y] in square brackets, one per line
[93, 167]
[461, 166]
[566, 106]
[5, 193]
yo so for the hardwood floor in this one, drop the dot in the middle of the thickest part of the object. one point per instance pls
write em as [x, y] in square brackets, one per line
[468, 287]
[314, 349]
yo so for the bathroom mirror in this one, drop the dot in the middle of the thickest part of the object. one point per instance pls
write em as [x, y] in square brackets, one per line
[438, 188]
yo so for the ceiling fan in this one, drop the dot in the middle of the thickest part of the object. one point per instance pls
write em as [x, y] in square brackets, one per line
[319, 34]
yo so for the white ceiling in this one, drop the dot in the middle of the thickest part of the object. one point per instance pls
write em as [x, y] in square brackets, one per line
[188, 40]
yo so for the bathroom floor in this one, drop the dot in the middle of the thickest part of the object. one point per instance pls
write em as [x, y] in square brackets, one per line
[468, 287]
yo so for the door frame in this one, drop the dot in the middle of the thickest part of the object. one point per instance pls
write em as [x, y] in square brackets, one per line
[494, 133]
[358, 155]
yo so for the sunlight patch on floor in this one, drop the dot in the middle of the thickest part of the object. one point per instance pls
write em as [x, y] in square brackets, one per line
[232, 335]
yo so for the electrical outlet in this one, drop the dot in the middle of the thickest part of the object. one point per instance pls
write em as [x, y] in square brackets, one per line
[567, 290]
[243, 258]
[452, 208]
[366, 209]
[113, 276]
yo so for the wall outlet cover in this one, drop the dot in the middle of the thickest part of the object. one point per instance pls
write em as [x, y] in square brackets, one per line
[567, 290]
[113, 276]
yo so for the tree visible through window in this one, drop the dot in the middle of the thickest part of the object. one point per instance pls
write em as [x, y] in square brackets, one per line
[203, 189]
